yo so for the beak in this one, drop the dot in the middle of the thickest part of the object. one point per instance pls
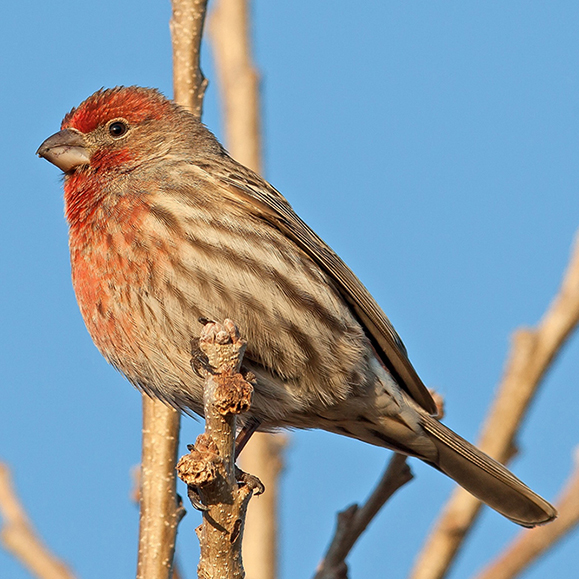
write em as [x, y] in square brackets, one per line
[66, 149]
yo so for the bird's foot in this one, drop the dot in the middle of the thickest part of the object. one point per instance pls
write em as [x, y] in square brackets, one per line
[249, 480]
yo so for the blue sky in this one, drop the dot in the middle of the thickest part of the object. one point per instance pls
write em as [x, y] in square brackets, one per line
[433, 145]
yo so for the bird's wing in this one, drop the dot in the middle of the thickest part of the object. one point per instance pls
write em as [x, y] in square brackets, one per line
[262, 199]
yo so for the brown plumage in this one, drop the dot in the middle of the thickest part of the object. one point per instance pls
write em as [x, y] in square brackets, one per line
[166, 228]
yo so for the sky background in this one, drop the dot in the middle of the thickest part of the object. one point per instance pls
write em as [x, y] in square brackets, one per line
[433, 145]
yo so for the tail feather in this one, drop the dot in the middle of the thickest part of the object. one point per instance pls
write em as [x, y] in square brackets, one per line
[485, 478]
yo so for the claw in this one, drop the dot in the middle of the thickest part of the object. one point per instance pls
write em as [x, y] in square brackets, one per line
[195, 499]
[181, 511]
[245, 434]
[250, 480]
[199, 361]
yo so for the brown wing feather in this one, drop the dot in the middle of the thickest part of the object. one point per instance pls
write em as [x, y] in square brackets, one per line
[262, 199]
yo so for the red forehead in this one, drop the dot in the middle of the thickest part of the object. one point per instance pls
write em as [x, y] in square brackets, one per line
[132, 103]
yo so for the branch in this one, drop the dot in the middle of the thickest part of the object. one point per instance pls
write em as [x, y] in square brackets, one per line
[160, 511]
[353, 521]
[532, 543]
[20, 538]
[209, 469]
[533, 352]
[238, 79]
[186, 26]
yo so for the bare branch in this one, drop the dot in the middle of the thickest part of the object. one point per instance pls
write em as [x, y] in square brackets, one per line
[160, 512]
[238, 79]
[353, 521]
[209, 469]
[532, 353]
[20, 538]
[186, 25]
[532, 543]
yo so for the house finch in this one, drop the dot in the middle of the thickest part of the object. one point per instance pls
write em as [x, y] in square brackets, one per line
[166, 228]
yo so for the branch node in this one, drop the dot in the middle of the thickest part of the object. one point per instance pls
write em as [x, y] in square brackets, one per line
[223, 346]
[233, 394]
[201, 466]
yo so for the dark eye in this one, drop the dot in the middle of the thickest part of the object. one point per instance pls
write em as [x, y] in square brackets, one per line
[118, 129]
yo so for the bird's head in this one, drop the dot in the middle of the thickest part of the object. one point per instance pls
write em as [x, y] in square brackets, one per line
[118, 128]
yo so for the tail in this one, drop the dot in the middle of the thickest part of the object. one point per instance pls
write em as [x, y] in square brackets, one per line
[485, 478]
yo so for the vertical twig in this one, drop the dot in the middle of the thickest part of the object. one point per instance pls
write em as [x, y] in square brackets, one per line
[238, 79]
[263, 457]
[186, 25]
[209, 469]
[229, 29]
[160, 512]
[533, 351]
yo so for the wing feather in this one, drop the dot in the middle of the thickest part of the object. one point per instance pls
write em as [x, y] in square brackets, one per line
[262, 199]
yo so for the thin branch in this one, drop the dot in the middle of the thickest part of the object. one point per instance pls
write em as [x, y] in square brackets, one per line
[238, 80]
[186, 25]
[209, 469]
[160, 511]
[531, 544]
[533, 352]
[20, 538]
[353, 521]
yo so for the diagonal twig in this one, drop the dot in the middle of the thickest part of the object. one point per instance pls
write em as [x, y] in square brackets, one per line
[533, 352]
[20, 538]
[353, 521]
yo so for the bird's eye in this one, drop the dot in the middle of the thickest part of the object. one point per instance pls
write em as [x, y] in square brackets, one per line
[118, 129]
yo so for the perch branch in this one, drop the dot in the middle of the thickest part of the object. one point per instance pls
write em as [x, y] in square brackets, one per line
[209, 469]
[160, 511]
[533, 351]
[238, 81]
[530, 544]
[20, 538]
[353, 521]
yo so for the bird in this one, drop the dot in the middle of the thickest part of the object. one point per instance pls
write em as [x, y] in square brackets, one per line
[165, 228]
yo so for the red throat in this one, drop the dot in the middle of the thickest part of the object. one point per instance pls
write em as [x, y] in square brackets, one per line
[82, 197]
